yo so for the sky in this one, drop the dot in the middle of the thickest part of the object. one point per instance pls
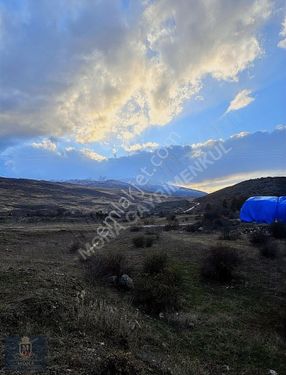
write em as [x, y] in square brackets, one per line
[93, 89]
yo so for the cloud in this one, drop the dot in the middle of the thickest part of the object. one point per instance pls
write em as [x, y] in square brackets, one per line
[94, 70]
[46, 144]
[240, 135]
[282, 42]
[141, 146]
[222, 182]
[91, 154]
[250, 155]
[199, 149]
[241, 100]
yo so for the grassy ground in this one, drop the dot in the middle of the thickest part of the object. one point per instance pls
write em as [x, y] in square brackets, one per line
[230, 329]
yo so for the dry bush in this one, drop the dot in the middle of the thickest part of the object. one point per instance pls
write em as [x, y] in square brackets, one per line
[75, 246]
[155, 263]
[149, 241]
[119, 323]
[159, 292]
[142, 241]
[138, 241]
[269, 250]
[135, 229]
[108, 264]
[171, 226]
[220, 264]
[120, 363]
[258, 238]
[160, 285]
[228, 235]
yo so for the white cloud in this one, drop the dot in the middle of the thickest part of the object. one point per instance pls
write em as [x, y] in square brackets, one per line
[200, 149]
[141, 146]
[90, 154]
[46, 144]
[91, 70]
[280, 127]
[240, 135]
[241, 100]
[282, 42]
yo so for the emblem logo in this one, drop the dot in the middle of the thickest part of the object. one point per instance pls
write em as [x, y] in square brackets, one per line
[25, 348]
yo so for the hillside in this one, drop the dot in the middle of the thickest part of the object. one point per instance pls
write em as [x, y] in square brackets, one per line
[171, 190]
[31, 199]
[246, 189]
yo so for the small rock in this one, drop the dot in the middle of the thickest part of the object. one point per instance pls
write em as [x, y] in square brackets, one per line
[126, 282]
[272, 372]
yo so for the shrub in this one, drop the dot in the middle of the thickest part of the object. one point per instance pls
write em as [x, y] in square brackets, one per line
[269, 250]
[228, 235]
[161, 291]
[211, 215]
[278, 230]
[149, 241]
[258, 238]
[171, 217]
[135, 229]
[142, 241]
[159, 287]
[106, 265]
[155, 263]
[138, 241]
[220, 264]
[173, 226]
[75, 246]
[118, 363]
[193, 227]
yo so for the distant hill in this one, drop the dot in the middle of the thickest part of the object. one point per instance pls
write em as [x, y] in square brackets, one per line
[246, 189]
[171, 190]
[29, 199]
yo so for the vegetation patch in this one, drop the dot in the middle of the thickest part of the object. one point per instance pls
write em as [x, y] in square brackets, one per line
[220, 264]
[160, 285]
[278, 230]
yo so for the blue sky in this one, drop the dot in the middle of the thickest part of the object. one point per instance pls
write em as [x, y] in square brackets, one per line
[82, 82]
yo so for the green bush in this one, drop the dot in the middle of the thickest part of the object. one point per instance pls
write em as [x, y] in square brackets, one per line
[220, 264]
[278, 230]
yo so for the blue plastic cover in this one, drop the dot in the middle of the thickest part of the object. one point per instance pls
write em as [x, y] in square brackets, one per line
[264, 210]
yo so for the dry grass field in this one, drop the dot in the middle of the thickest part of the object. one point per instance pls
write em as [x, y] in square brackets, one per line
[96, 328]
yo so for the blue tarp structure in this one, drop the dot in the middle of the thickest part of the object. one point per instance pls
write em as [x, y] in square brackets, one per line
[264, 210]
